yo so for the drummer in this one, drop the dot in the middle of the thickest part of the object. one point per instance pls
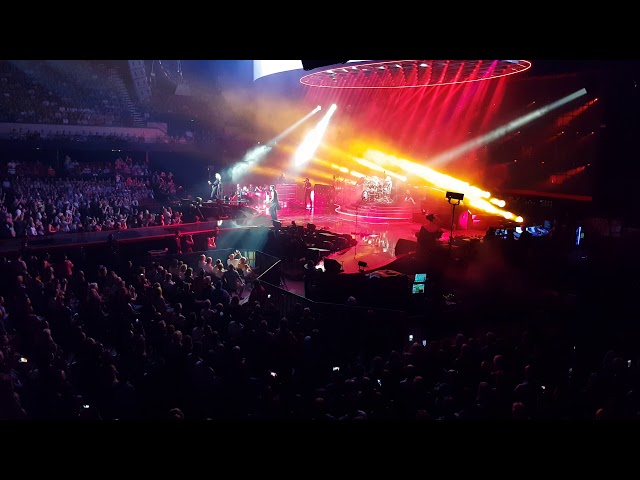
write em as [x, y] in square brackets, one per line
[387, 185]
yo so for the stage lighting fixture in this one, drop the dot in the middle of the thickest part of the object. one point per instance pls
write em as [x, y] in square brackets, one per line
[361, 266]
[455, 196]
[311, 64]
[454, 199]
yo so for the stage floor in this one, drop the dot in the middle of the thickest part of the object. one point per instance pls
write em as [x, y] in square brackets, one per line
[376, 242]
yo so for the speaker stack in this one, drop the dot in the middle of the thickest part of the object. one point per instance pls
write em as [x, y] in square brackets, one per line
[286, 194]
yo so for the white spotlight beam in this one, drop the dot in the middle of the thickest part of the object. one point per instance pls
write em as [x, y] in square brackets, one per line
[252, 157]
[257, 154]
[503, 130]
[311, 142]
[286, 132]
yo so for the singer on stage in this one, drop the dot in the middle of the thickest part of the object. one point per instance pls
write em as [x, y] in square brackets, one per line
[216, 188]
[307, 193]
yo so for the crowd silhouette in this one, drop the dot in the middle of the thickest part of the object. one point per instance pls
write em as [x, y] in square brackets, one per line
[178, 340]
[36, 200]
[81, 93]
[195, 336]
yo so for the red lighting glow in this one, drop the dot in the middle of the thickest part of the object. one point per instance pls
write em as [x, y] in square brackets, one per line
[414, 73]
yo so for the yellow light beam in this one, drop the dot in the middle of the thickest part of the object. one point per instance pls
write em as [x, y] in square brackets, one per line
[474, 196]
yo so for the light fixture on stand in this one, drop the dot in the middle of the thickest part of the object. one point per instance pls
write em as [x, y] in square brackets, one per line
[454, 199]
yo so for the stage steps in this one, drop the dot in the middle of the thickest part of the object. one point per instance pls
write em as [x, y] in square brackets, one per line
[378, 213]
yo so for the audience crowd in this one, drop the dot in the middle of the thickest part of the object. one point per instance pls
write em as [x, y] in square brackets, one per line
[44, 206]
[36, 200]
[84, 136]
[43, 95]
[174, 340]
[61, 93]
[132, 339]
[164, 184]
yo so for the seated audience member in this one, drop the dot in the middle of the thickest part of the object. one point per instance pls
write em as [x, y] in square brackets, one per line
[208, 266]
[220, 294]
[202, 261]
[245, 270]
[233, 260]
[218, 270]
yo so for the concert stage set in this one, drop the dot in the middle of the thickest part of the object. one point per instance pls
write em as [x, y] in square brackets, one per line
[378, 229]
[381, 236]
[384, 224]
[384, 155]
[377, 177]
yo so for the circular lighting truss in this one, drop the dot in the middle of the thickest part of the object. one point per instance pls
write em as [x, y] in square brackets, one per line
[413, 73]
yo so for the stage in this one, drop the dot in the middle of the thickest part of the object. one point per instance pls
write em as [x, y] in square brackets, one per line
[375, 247]
[376, 241]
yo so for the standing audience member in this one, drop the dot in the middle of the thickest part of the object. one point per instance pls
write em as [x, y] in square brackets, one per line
[232, 281]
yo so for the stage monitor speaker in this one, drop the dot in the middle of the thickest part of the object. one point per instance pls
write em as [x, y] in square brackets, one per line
[405, 246]
[332, 266]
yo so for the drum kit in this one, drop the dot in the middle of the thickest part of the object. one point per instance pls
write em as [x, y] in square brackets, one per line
[377, 190]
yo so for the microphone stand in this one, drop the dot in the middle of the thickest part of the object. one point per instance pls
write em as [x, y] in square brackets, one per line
[357, 207]
[454, 204]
